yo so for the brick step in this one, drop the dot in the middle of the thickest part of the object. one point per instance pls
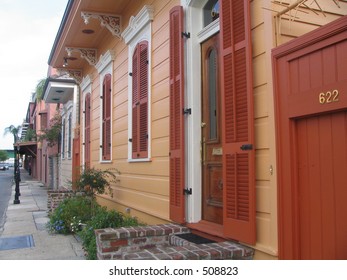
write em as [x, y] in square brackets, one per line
[212, 251]
[162, 242]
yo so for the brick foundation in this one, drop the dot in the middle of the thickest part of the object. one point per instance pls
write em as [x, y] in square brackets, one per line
[160, 242]
[55, 197]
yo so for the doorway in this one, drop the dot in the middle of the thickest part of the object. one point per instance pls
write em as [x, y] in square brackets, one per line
[211, 142]
[311, 114]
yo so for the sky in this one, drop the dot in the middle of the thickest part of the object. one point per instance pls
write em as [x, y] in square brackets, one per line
[27, 33]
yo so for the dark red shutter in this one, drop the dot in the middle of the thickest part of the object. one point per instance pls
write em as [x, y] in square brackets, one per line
[87, 131]
[43, 121]
[106, 127]
[177, 179]
[140, 101]
[238, 121]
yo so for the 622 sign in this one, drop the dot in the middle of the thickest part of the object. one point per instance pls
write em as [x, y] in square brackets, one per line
[329, 97]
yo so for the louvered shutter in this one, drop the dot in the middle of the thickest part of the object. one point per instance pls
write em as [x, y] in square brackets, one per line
[177, 179]
[87, 131]
[106, 101]
[135, 100]
[237, 116]
[140, 101]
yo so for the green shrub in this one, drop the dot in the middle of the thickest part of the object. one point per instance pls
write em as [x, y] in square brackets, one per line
[70, 214]
[82, 215]
[102, 218]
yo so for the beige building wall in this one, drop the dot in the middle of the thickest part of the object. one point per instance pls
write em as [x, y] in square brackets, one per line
[143, 189]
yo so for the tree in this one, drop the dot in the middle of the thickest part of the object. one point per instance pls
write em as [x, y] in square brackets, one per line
[53, 133]
[14, 130]
[3, 155]
[39, 89]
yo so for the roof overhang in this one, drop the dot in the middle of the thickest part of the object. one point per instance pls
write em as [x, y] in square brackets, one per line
[59, 90]
[85, 27]
[29, 147]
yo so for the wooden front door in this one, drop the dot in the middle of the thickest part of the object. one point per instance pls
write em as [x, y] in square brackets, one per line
[211, 142]
[311, 113]
[321, 143]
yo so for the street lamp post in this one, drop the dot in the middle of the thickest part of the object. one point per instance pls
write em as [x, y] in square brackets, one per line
[16, 176]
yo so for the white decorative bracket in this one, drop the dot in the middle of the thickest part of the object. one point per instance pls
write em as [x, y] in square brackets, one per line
[76, 74]
[88, 54]
[110, 21]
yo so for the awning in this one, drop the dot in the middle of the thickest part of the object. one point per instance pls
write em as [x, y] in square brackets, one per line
[29, 147]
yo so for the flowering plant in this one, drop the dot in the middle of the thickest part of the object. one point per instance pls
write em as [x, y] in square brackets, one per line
[95, 181]
[76, 224]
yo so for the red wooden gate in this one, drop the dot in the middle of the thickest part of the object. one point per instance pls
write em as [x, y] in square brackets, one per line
[310, 77]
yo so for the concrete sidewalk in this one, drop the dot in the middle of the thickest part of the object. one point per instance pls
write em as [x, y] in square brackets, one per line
[24, 235]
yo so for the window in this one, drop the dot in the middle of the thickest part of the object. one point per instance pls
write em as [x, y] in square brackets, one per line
[139, 138]
[213, 87]
[138, 37]
[43, 120]
[211, 11]
[106, 118]
[87, 131]
[105, 69]
[63, 138]
[69, 139]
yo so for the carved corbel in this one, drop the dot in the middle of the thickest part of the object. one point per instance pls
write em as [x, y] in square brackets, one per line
[88, 54]
[76, 74]
[110, 21]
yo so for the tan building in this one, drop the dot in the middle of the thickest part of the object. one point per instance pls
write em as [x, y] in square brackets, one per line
[184, 98]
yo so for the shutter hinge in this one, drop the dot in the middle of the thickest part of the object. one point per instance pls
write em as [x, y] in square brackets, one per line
[246, 147]
[84, 112]
[187, 111]
[101, 97]
[83, 144]
[186, 34]
[130, 140]
[188, 191]
[130, 74]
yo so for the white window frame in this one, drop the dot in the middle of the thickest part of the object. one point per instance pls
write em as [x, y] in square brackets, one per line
[86, 88]
[69, 135]
[138, 30]
[66, 112]
[104, 67]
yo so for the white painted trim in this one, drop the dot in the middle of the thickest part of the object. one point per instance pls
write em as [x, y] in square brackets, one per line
[144, 34]
[199, 33]
[209, 31]
[105, 67]
[136, 23]
[87, 89]
[105, 60]
[86, 82]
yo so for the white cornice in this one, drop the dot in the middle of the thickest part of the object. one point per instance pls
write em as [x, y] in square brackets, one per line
[105, 60]
[87, 81]
[136, 23]
[209, 30]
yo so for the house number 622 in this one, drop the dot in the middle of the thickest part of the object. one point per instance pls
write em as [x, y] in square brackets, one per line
[329, 97]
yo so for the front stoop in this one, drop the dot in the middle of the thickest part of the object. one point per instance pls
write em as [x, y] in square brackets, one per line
[160, 242]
